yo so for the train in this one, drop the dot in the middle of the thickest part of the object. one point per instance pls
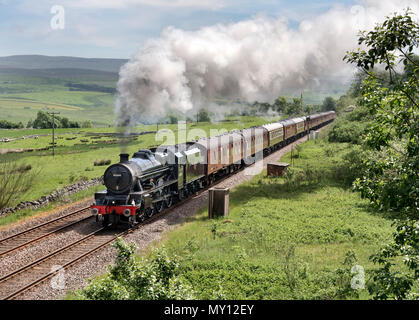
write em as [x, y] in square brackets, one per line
[154, 179]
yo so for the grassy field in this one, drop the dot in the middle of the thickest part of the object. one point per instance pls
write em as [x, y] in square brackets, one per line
[78, 149]
[32, 83]
[22, 97]
[285, 238]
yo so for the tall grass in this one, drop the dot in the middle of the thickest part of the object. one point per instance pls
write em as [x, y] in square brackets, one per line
[285, 238]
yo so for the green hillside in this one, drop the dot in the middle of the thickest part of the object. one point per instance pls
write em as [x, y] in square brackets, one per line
[48, 62]
[84, 89]
[80, 89]
[78, 97]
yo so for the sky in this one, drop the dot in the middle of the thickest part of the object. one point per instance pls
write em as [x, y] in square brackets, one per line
[118, 28]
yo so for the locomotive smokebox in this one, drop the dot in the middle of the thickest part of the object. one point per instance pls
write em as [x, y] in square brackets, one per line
[123, 157]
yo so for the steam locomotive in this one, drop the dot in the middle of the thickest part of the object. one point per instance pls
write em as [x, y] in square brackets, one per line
[153, 179]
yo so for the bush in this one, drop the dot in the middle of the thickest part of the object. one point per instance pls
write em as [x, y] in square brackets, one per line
[44, 120]
[129, 279]
[203, 116]
[87, 124]
[4, 124]
[173, 119]
[351, 168]
[347, 131]
[15, 181]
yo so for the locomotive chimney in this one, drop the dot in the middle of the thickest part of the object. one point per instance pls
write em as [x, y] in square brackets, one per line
[123, 157]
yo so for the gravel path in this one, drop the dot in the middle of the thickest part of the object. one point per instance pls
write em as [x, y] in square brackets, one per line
[77, 275]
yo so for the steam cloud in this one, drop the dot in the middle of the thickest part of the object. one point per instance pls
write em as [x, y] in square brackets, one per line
[256, 59]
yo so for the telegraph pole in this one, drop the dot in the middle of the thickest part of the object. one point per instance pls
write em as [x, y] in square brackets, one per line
[301, 101]
[53, 131]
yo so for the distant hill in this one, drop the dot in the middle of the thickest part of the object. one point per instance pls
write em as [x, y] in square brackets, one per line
[61, 73]
[50, 62]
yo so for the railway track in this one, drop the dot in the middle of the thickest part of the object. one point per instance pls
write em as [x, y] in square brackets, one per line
[42, 231]
[34, 273]
[21, 280]
[31, 275]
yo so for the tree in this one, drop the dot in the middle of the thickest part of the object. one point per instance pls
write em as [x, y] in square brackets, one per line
[4, 124]
[203, 116]
[74, 124]
[344, 102]
[357, 82]
[173, 119]
[65, 123]
[329, 104]
[264, 107]
[86, 124]
[294, 107]
[310, 108]
[280, 104]
[391, 178]
[42, 120]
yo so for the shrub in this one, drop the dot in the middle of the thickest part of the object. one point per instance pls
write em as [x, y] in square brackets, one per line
[351, 167]
[203, 116]
[86, 124]
[346, 131]
[4, 124]
[15, 181]
[129, 279]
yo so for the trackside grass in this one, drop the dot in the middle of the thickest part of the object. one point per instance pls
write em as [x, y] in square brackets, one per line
[295, 237]
[77, 151]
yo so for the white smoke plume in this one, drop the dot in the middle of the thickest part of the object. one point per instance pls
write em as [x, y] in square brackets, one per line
[256, 59]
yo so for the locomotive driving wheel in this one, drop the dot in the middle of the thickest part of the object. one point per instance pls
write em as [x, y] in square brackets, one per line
[148, 213]
[105, 221]
[140, 216]
[182, 194]
[168, 201]
[158, 206]
[132, 221]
